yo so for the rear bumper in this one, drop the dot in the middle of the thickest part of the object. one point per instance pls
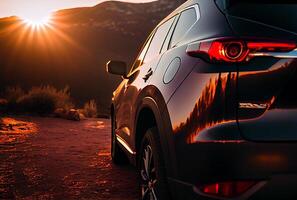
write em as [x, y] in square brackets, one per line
[278, 187]
[272, 165]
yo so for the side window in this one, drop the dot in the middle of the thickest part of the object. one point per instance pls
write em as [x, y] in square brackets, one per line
[140, 57]
[186, 20]
[158, 40]
[168, 37]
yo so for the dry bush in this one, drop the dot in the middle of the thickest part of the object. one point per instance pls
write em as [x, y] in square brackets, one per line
[3, 104]
[90, 109]
[45, 100]
[12, 94]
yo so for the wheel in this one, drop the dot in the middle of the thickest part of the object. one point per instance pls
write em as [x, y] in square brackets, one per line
[153, 184]
[117, 154]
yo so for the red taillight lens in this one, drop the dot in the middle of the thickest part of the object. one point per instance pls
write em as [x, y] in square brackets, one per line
[234, 50]
[271, 46]
[228, 189]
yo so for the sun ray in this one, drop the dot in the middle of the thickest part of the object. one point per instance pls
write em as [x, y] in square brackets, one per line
[66, 38]
[11, 28]
[37, 19]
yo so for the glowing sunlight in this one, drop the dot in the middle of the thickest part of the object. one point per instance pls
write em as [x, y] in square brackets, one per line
[36, 19]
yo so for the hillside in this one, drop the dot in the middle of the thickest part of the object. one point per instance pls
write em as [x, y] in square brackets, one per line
[73, 50]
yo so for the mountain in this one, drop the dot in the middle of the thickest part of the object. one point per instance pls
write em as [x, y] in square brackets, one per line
[74, 48]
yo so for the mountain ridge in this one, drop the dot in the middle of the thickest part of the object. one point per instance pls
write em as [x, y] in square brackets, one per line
[74, 49]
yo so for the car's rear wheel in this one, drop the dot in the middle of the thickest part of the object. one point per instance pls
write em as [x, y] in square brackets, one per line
[117, 154]
[153, 184]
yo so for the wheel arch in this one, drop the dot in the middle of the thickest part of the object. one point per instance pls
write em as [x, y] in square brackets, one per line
[152, 111]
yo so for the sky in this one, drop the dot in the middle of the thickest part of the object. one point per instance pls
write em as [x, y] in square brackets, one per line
[27, 8]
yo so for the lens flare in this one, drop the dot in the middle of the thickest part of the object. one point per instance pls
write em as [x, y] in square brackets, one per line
[36, 19]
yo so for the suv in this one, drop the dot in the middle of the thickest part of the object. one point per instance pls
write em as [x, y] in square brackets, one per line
[209, 107]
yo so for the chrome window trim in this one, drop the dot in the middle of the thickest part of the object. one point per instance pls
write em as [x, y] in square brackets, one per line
[291, 54]
[172, 27]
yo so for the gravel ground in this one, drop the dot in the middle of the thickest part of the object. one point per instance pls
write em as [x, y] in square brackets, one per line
[63, 160]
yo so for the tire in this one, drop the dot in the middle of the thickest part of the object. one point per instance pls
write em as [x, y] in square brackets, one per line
[153, 182]
[118, 156]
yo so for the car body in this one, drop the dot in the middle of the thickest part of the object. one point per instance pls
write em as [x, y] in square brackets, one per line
[216, 79]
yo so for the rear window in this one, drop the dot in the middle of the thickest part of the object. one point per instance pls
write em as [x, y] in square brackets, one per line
[185, 21]
[279, 13]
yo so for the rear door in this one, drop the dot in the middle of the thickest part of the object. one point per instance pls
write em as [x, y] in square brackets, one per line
[267, 84]
[173, 66]
[140, 76]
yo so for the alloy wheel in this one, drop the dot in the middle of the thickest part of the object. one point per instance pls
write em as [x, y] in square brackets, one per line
[148, 175]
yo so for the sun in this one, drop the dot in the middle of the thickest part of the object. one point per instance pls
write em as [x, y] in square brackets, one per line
[36, 19]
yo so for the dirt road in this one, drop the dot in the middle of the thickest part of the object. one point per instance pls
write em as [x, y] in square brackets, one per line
[64, 160]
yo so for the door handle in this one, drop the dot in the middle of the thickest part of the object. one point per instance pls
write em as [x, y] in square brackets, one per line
[148, 75]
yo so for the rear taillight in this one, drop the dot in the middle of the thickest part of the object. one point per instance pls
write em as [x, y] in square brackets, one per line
[271, 46]
[227, 189]
[235, 50]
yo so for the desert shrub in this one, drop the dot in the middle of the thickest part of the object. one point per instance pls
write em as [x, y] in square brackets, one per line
[3, 106]
[45, 100]
[12, 94]
[90, 109]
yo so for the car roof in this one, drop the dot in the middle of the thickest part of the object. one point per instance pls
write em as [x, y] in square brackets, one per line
[179, 9]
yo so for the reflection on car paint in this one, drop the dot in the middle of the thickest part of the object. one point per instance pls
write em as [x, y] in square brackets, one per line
[214, 106]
